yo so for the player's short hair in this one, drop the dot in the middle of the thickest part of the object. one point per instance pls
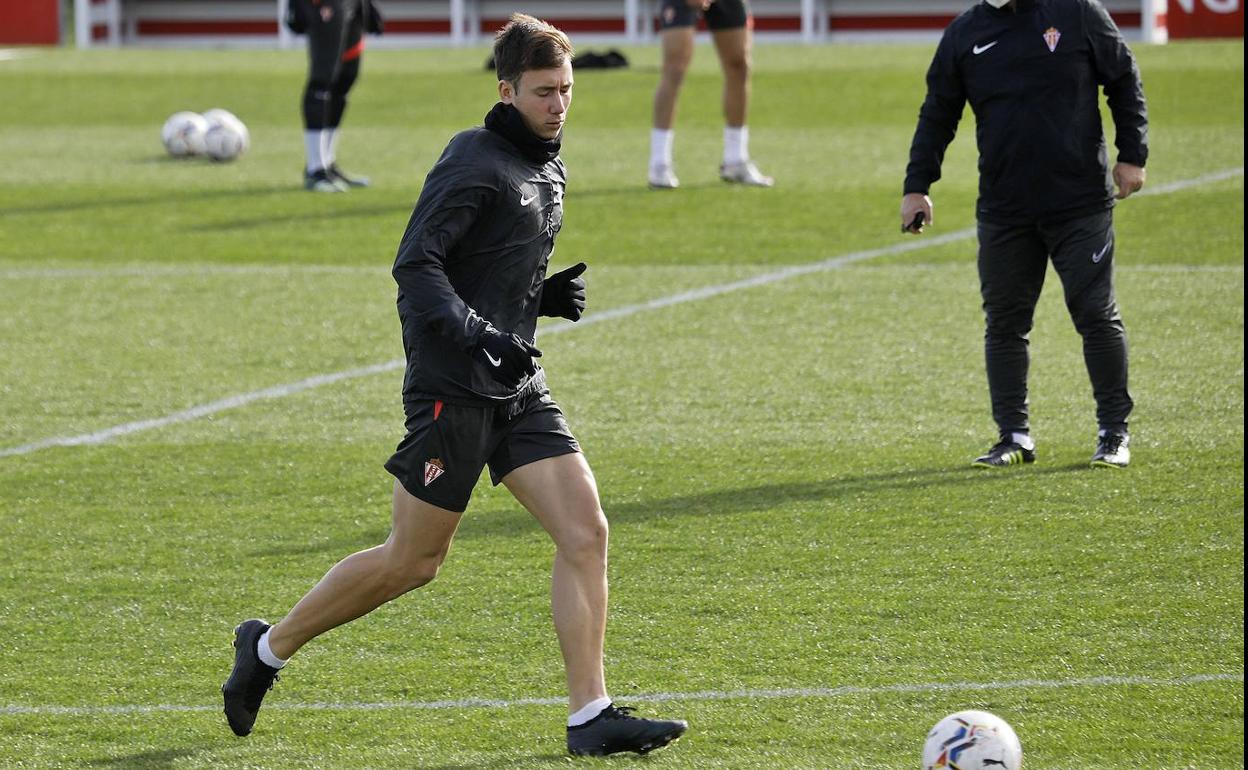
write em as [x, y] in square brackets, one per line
[526, 43]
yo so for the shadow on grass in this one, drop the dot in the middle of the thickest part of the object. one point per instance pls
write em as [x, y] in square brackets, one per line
[504, 520]
[144, 760]
[501, 764]
[105, 201]
[270, 220]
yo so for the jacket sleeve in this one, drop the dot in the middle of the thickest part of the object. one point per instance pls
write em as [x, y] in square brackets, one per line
[1117, 72]
[938, 118]
[453, 198]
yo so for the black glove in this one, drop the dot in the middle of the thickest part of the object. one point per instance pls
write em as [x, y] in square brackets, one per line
[563, 294]
[376, 24]
[297, 16]
[507, 357]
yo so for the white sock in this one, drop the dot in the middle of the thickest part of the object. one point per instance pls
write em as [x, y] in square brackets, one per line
[329, 146]
[588, 711]
[265, 653]
[313, 148]
[1023, 440]
[736, 145]
[661, 149]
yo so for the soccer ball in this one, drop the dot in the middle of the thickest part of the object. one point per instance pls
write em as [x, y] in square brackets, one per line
[183, 134]
[972, 740]
[227, 136]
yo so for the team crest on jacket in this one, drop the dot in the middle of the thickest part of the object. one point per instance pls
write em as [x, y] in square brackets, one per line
[1051, 36]
[433, 469]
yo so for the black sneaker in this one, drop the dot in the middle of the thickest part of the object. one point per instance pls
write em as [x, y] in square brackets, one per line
[321, 181]
[1004, 453]
[616, 729]
[249, 680]
[1112, 451]
[347, 179]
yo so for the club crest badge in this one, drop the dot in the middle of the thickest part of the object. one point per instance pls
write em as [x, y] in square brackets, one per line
[1051, 36]
[433, 469]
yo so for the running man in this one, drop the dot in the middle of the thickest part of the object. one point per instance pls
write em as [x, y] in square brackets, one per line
[470, 273]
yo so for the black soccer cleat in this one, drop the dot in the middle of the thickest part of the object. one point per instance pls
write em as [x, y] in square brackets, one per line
[347, 179]
[1005, 453]
[1112, 451]
[250, 679]
[322, 181]
[616, 729]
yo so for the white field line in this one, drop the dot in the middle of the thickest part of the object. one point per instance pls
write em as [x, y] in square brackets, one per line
[11, 54]
[701, 695]
[143, 271]
[692, 295]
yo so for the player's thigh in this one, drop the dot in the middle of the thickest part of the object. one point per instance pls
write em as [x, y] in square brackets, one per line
[677, 44]
[327, 40]
[733, 47]
[419, 530]
[1083, 256]
[561, 493]
[1012, 261]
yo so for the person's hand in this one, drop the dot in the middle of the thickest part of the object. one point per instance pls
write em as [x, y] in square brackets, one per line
[912, 205]
[563, 294]
[700, 5]
[507, 357]
[1129, 179]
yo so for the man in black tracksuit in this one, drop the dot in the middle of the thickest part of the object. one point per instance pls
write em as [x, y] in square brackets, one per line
[471, 272]
[335, 30]
[1031, 70]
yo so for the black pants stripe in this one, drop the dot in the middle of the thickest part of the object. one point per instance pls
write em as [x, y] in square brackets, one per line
[1013, 260]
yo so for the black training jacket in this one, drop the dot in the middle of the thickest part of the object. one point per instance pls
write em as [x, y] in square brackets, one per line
[474, 253]
[1031, 76]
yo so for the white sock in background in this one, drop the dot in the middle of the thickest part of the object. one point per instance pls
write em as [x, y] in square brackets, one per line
[588, 711]
[1023, 440]
[736, 145]
[313, 143]
[329, 147]
[661, 148]
[265, 653]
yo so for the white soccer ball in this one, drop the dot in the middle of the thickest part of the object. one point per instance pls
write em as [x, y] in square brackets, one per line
[183, 134]
[226, 141]
[972, 740]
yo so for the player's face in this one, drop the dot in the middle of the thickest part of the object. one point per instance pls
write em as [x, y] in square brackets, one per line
[542, 97]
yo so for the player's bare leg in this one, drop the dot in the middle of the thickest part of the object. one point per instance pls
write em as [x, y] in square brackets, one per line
[735, 48]
[677, 44]
[562, 495]
[419, 540]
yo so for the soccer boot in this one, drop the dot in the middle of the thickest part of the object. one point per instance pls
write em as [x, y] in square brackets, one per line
[250, 679]
[321, 181]
[350, 181]
[616, 729]
[745, 173]
[663, 178]
[1112, 451]
[1004, 453]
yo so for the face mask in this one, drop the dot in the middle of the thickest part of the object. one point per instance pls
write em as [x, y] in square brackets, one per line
[997, 3]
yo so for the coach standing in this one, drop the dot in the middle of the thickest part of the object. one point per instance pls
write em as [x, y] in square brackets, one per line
[1030, 70]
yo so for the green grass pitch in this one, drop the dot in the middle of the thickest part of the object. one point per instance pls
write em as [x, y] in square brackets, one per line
[803, 563]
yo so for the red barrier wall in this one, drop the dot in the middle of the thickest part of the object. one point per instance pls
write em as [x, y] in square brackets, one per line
[1205, 18]
[30, 22]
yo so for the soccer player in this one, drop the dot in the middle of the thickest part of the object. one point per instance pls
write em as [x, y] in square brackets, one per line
[470, 280]
[1031, 71]
[731, 26]
[335, 30]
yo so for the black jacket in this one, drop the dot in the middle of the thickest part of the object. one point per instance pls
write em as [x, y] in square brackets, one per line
[475, 252]
[1031, 75]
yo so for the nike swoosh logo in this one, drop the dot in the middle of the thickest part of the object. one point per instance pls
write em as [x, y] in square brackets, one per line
[977, 50]
[1098, 256]
[493, 360]
[526, 201]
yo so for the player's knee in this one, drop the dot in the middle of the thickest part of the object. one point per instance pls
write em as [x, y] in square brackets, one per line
[587, 541]
[404, 576]
[737, 66]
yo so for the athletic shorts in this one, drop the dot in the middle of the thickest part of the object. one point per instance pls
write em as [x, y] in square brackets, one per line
[446, 446]
[723, 14]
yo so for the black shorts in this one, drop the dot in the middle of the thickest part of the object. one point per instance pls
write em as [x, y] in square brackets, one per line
[723, 14]
[446, 446]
